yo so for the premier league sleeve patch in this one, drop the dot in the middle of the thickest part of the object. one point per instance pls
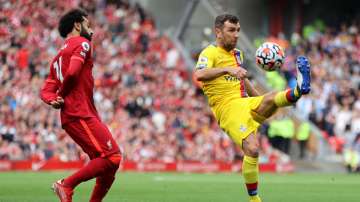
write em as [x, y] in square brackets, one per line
[85, 46]
[202, 62]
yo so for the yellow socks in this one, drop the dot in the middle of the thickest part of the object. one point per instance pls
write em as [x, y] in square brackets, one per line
[287, 97]
[250, 171]
[255, 199]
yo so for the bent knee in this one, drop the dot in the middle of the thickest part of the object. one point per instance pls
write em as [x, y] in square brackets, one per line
[251, 146]
[269, 98]
[252, 150]
[115, 159]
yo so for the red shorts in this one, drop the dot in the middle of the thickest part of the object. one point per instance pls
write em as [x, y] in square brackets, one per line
[93, 137]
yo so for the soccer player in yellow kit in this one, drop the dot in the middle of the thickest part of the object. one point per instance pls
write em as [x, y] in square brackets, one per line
[237, 105]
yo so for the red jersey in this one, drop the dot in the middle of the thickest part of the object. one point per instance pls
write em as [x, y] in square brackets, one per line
[78, 101]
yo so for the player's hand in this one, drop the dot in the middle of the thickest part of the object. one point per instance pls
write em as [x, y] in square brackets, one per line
[237, 72]
[56, 104]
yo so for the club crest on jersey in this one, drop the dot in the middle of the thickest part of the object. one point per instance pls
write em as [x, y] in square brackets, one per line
[85, 46]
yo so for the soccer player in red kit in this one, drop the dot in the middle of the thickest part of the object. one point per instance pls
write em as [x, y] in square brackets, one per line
[69, 87]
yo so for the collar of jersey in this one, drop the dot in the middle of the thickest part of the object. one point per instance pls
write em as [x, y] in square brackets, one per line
[71, 37]
[222, 49]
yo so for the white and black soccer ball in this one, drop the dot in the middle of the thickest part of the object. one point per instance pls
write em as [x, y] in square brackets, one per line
[270, 56]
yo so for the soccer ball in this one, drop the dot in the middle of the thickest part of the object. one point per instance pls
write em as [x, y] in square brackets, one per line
[270, 56]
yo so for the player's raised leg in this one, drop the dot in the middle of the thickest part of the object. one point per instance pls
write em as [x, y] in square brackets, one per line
[272, 101]
[250, 166]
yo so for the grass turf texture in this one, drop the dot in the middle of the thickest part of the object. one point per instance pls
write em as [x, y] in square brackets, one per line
[178, 187]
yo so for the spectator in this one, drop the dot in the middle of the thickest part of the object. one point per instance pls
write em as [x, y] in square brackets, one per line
[335, 59]
[302, 136]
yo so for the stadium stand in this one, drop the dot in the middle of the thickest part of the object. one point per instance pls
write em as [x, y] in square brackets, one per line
[143, 89]
[334, 104]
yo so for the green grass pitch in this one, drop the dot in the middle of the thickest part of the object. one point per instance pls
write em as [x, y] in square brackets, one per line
[178, 187]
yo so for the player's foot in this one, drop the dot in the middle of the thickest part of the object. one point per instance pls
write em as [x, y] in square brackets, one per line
[255, 199]
[64, 193]
[303, 74]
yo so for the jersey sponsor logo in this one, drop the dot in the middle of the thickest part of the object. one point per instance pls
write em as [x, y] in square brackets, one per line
[231, 78]
[85, 46]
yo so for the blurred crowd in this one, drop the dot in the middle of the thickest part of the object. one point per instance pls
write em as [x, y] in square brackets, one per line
[143, 92]
[334, 103]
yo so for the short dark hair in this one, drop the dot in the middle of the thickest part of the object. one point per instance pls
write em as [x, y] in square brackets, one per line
[221, 19]
[66, 23]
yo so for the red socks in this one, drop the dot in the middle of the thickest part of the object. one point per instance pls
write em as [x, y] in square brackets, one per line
[96, 167]
[102, 186]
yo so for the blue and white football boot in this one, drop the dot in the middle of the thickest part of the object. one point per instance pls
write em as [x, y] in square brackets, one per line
[303, 74]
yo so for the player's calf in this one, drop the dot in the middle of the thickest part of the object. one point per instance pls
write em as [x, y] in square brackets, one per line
[250, 166]
[102, 186]
[105, 181]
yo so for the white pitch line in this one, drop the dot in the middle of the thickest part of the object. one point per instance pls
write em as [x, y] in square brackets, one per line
[240, 181]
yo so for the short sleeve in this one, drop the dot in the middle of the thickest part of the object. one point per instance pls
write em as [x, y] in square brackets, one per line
[206, 59]
[81, 51]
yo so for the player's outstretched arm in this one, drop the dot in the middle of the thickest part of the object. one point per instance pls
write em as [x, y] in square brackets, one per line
[212, 73]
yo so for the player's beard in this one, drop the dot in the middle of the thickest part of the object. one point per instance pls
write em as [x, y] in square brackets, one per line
[85, 34]
[229, 46]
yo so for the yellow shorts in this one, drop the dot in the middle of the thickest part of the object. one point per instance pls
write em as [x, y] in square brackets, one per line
[235, 118]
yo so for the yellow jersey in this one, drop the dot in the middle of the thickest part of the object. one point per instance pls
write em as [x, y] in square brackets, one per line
[227, 95]
[225, 88]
